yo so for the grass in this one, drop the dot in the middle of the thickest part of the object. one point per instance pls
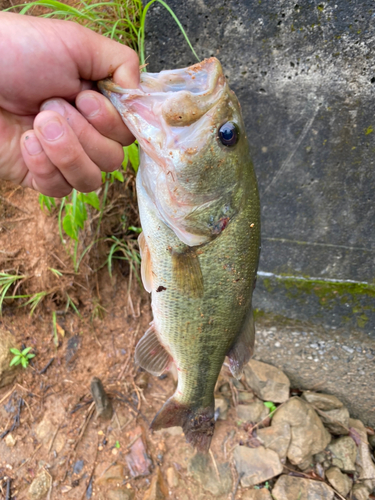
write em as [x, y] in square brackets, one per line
[6, 281]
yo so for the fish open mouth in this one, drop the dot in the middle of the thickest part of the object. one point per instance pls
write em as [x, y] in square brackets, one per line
[166, 113]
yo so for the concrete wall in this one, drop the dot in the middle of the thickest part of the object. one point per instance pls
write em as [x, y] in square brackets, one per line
[305, 76]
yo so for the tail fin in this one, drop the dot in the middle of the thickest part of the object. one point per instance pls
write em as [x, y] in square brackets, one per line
[198, 424]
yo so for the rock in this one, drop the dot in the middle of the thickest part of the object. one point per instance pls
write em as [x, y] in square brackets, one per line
[10, 441]
[120, 494]
[102, 402]
[268, 382]
[114, 473]
[40, 485]
[172, 431]
[204, 472]
[336, 421]
[308, 433]
[78, 466]
[7, 373]
[253, 412]
[293, 488]
[325, 402]
[261, 494]
[172, 477]
[245, 398]
[341, 482]
[46, 431]
[344, 450]
[137, 459]
[276, 437]
[158, 489]
[256, 465]
[360, 492]
[365, 465]
[221, 407]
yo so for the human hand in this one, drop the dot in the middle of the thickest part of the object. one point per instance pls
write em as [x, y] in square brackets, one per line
[45, 66]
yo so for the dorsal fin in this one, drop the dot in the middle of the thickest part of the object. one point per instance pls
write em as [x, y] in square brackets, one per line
[243, 348]
[150, 354]
[187, 272]
[146, 270]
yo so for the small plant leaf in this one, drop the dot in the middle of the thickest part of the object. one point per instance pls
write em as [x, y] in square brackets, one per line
[15, 361]
[13, 350]
[24, 362]
[30, 356]
[133, 156]
[25, 351]
[69, 226]
[91, 199]
[116, 174]
[126, 159]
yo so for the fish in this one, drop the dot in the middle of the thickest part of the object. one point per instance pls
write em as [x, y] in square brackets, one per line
[200, 242]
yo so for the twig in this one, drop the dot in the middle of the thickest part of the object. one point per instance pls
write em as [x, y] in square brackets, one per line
[7, 395]
[8, 494]
[43, 370]
[86, 423]
[92, 472]
[53, 438]
[14, 205]
[32, 456]
[215, 466]
[237, 485]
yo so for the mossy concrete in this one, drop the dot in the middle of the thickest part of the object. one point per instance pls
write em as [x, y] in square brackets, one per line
[305, 76]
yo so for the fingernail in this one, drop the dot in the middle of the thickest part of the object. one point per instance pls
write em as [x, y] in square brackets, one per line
[32, 145]
[52, 130]
[89, 106]
[53, 106]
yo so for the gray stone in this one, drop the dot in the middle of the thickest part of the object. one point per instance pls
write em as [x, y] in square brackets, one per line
[308, 433]
[221, 406]
[301, 69]
[325, 402]
[365, 465]
[120, 494]
[7, 373]
[204, 472]
[261, 494]
[293, 488]
[360, 492]
[256, 465]
[336, 421]
[268, 382]
[344, 450]
[253, 412]
[40, 485]
[276, 437]
[341, 482]
[245, 397]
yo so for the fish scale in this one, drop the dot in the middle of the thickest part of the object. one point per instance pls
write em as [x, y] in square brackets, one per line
[199, 249]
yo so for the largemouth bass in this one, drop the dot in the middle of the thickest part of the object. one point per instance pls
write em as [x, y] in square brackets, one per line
[200, 215]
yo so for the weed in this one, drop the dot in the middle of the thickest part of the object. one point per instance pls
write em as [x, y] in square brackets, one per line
[21, 357]
[46, 201]
[271, 406]
[6, 281]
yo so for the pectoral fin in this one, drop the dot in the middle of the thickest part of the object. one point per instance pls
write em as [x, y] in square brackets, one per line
[187, 272]
[242, 350]
[150, 354]
[146, 271]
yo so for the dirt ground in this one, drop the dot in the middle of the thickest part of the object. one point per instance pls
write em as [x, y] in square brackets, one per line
[50, 402]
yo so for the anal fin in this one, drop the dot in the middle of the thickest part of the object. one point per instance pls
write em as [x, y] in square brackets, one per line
[243, 348]
[150, 354]
[187, 272]
[146, 270]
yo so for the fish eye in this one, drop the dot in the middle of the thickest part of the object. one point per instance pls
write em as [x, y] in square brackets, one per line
[228, 134]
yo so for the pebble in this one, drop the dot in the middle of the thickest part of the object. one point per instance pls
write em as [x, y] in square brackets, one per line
[40, 485]
[341, 482]
[344, 450]
[276, 437]
[158, 489]
[336, 421]
[293, 488]
[221, 408]
[254, 412]
[268, 382]
[172, 477]
[120, 494]
[114, 473]
[360, 492]
[256, 465]
[10, 441]
[260, 494]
